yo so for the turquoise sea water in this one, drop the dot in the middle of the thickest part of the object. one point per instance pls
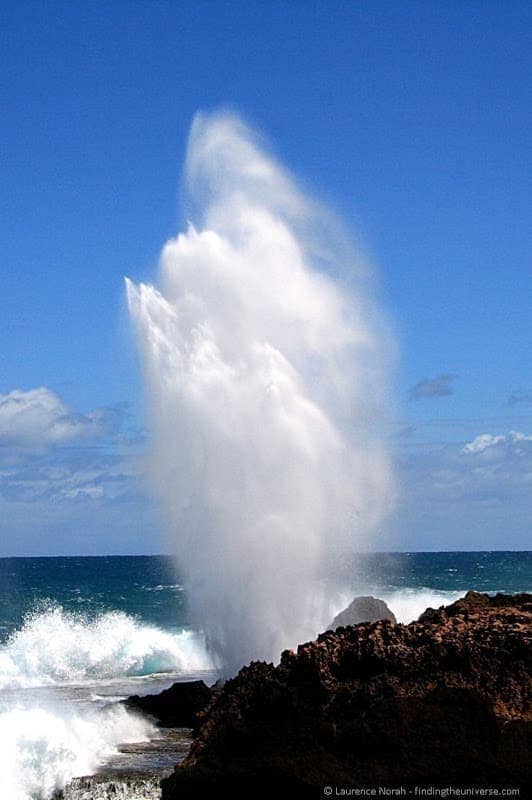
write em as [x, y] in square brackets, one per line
[79, 634]
[150, 589]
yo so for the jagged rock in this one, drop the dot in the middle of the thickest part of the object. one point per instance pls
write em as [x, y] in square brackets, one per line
[476, 601]
[447, 699]
[363, 609]
[121, 787]
[176, 707]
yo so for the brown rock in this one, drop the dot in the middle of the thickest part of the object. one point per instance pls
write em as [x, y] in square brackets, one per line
[444, 699]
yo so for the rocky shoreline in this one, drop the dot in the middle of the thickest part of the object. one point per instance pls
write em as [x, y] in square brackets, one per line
[126, 786]
[446, 699]
[136, 771]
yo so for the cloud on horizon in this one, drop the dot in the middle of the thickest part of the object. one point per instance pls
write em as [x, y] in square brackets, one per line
[440, 386]
[72, 483]
[50, 453]
[471, 496]
[38, 418]
[69, 482]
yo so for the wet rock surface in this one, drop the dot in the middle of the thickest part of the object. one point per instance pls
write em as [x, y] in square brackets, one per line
[175, 707]
[134, 772]
[128, 786]
[444, 699]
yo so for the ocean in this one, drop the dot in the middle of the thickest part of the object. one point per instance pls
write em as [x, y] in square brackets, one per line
[79, 634]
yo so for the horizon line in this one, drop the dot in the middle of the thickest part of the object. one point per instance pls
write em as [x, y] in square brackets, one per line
[358, 553]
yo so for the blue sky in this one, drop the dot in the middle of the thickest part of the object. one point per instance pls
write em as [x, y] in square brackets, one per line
[411, 119]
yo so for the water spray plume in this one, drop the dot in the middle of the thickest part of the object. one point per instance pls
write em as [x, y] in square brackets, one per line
[265, 384]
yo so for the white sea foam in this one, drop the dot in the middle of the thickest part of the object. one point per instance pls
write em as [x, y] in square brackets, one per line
[407, 604]
[43, 748]
[54, 646]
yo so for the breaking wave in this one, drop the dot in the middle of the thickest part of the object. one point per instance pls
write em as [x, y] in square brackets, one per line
[54, 646]
[409, 604]
[44, 748]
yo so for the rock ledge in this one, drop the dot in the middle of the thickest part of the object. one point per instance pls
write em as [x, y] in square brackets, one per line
[446, 698]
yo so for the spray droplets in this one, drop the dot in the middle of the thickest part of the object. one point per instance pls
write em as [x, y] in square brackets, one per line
[264, 383]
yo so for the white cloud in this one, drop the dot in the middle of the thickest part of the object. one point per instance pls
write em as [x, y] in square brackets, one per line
[482, 442]
[70, 483]
[74, 473]
[38, 418]
[476, 496]
[77, 499]
[34, 466]
[487, 440]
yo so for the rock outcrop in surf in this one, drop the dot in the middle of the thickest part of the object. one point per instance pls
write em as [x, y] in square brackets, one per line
[446, 698]
[363, 609]
[176, 707]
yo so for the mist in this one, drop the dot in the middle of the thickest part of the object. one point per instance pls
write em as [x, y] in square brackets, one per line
[265, 360]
